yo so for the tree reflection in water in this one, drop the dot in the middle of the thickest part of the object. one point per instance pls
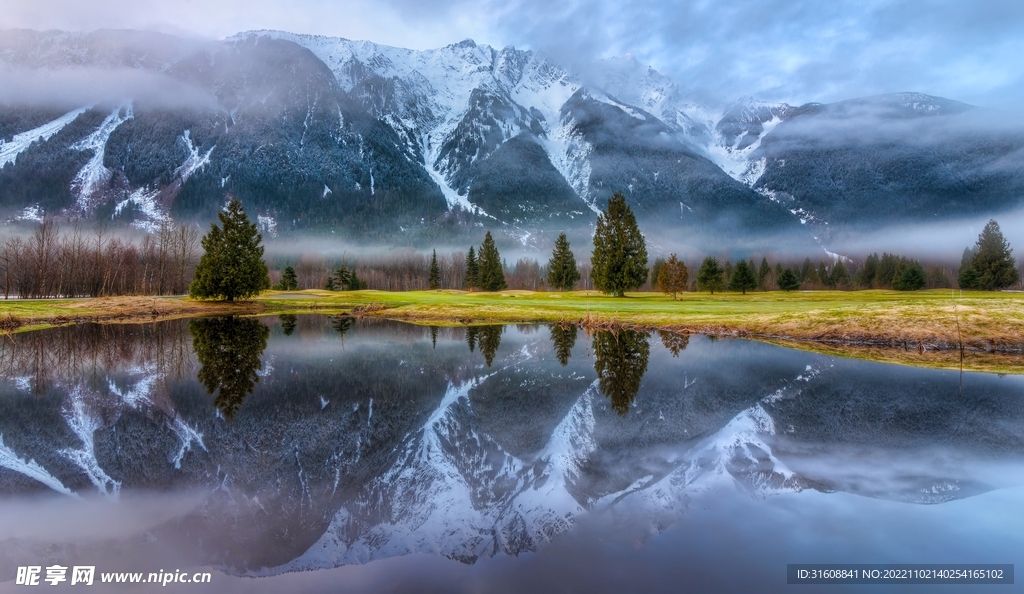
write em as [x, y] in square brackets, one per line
[342, 324]
[674, 341]
[564, 337]
[621, 361]
[229, 351]
[488, 338]
[288, 322]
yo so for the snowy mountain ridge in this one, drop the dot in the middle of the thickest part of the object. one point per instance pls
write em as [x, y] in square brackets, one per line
[433, 91]
[327, 134]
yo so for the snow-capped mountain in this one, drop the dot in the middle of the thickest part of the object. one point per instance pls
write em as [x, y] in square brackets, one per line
[321, 133]
[313, 132]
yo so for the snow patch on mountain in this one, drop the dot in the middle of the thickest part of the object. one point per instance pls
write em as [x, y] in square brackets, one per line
[195, 161]
[147, 204]
[10, 460]
[738, 134]
[84, 424]
[32, 213]
[266, 225]
[90, 179]
[9, 151]
[570, 153]
[147, 200]
[451, 196]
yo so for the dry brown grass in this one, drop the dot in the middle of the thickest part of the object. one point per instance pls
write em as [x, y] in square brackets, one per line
[137, 309]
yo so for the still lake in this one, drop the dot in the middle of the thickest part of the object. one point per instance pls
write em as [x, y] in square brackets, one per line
[327, 454]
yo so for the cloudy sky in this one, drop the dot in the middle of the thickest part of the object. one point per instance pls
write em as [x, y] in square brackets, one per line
[780, 50]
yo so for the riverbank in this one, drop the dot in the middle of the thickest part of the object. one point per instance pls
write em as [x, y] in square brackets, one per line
[925, 328]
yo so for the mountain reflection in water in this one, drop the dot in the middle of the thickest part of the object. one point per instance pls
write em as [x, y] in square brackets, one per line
[363, 440]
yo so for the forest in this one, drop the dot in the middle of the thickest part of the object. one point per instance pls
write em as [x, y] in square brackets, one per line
[72, 261]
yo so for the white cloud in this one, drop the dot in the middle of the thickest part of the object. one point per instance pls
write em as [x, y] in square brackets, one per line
[792, 50]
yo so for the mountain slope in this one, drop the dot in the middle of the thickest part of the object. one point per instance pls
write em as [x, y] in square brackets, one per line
[906, 157]
[388, 144]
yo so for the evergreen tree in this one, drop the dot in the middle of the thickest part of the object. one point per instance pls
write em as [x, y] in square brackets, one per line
[968, 278]
[885, 273]
[910, 277]
[354, 284]
[840, 278]
[865, 277]
[472, 270]
[709, 275]
[232, 262]
[762, 274]
[787, 280]
[967, 257]
[562, 271]
[743, 278]
[824, 276]
[808, 273]
[289, 282]
[330, 284]
[619, 260]
[435, 272]
[992, 267]
[342, 277]
[492, 274]
[673, 276]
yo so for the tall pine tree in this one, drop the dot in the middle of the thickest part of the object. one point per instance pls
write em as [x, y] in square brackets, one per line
[232, 265]
[435, 273]
[562, 271]
[472, 270]
[788, 280]
[619, 261]
[762, 274]
[709, 275]
[289, 282]
[492, 275]
[840, 277]
[992, 266]
[743, 277]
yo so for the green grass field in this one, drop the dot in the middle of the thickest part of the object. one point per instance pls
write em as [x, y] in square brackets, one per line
[922, 328]
[918, 328]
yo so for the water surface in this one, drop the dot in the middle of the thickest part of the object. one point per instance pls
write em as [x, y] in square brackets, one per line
[387, 456]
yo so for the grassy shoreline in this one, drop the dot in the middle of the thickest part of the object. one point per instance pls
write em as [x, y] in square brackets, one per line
[924, 328]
